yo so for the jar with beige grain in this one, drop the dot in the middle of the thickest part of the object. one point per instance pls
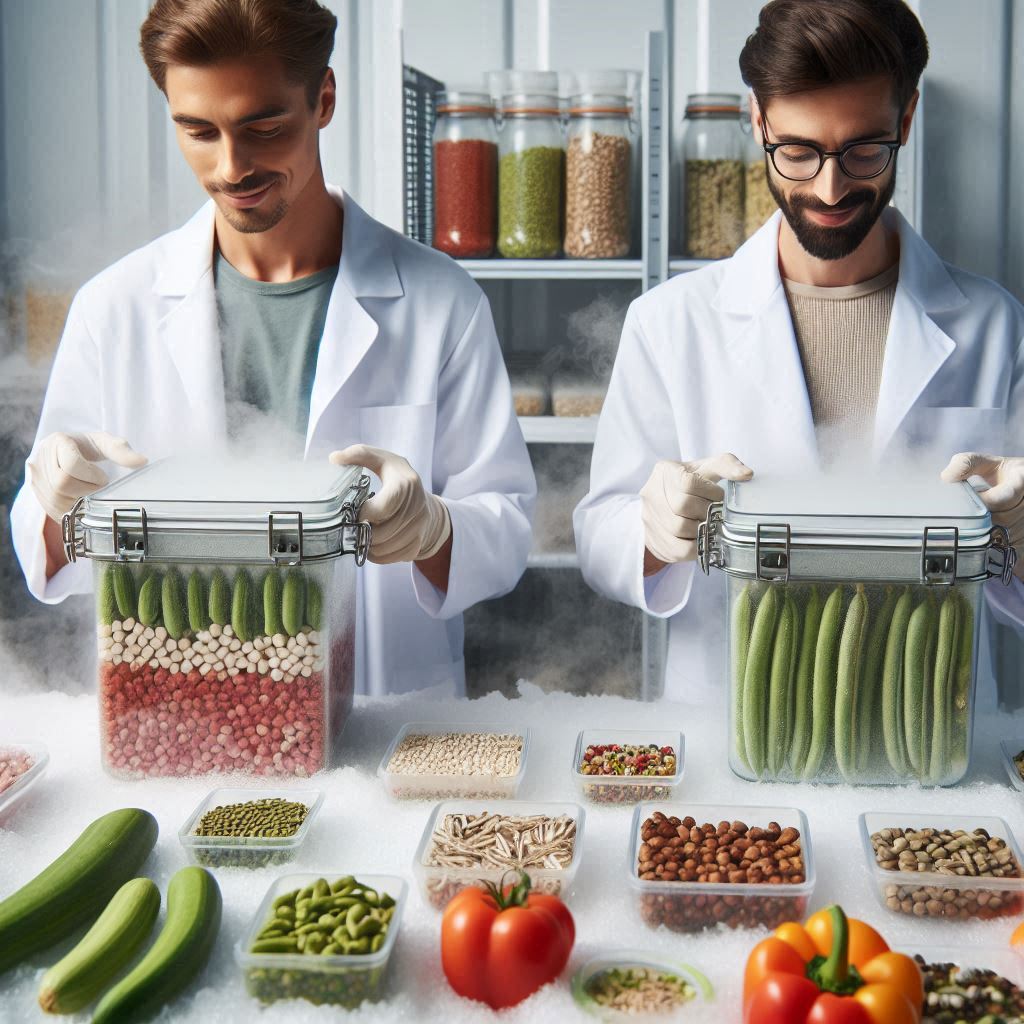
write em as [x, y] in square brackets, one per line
[597, 177]
[713, 175]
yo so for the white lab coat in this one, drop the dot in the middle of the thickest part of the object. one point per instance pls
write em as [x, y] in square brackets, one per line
[409, 362]
[708, 363]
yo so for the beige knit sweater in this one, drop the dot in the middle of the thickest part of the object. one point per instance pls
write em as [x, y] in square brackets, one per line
[841, 334]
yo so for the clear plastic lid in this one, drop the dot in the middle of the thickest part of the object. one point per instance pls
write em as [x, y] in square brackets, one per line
[713, 104]
[264, 510]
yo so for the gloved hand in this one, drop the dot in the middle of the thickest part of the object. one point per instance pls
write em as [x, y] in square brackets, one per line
[64, 468]
[1004, 497]
[409, 523]
[675, 501]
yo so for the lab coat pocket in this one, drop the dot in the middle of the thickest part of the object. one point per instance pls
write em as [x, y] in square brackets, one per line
[948, 429]
[406, 430]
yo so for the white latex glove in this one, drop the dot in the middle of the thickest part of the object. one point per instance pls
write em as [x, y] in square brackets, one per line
[409, 523]
[64, 467]
[1004, 497]
[675, 502]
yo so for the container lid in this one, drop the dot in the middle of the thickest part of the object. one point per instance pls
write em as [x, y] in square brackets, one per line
[257, 510]
[906, 527]
[598, 103]
[522, 104]
[460, 101]
[713, 104]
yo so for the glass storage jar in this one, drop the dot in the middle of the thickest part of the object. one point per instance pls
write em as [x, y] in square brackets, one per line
[852, 623]
[713, 162]
[465, 175]
[531, 170]
[598, 176]
[226, 609]
[758, 202]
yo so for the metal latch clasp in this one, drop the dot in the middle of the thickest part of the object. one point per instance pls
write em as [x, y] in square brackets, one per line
[938, 556]
[350, 515]
[73, 544]
[708, 552]
[1004, 567]
[772, 554]
[284, 545]
[130, 541]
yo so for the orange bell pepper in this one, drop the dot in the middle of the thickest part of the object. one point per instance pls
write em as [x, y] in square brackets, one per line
[832, 970]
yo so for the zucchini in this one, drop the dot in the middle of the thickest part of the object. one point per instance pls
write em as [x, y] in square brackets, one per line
[177, 955]
[107, 946]
[77, 885]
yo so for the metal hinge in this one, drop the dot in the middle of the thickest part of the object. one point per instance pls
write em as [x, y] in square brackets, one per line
[73, 544]
[708, 552]
[938, 556]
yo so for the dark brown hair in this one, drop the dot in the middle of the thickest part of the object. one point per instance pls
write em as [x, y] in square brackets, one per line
[802, 45]
[196, 33]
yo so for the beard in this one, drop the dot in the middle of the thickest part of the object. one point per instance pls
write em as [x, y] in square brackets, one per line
[256, 220]
[834, 243]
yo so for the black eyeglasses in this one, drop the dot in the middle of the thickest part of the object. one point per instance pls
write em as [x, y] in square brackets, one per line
[801, 161]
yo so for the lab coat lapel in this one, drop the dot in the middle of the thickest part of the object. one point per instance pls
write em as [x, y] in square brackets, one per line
[367, 269]
[915, 347]
[189, 331]
[763, 348]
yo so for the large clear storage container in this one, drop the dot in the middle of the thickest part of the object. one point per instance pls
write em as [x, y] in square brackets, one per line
[852, 622]
[713, 175]
[531, 170]
[465, 175]
[226, 607]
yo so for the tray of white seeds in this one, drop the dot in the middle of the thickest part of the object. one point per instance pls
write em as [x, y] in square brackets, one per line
[431, 761]
[473, 842]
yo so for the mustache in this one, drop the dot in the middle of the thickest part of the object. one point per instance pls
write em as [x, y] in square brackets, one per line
[848, 202]
[244, 187]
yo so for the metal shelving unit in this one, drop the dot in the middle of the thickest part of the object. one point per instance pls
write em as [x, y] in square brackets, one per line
[553, 270]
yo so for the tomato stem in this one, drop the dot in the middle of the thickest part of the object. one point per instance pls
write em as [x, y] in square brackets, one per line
[516, 895]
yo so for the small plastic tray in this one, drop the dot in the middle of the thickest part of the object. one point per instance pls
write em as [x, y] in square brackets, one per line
[247, 852]
[1000, 959]
[338, 980]
[696, 906]
[14, 793]
[975, 898]
[441, 787]
[439, 884]
[627, 789]
[1010, 749]
[630, 958]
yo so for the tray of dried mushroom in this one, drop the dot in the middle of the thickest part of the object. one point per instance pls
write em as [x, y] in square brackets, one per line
[469, 842]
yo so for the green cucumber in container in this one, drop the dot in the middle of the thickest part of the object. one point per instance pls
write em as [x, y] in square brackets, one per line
[198, 606]
[220, 598]
[942, 687]
[826, 668]
[119, 932]
[272, 603]
[106, 601]
[779, 692]
[960, 717]
[870, 696]
[314, 604]
[176, 957]
[848, 682]
[124, 590]
[893, 684]
[802, 696]
[149, 600]
[756, 681]
[175, 608]
[742, 613]
[293, 602]
[242, 605]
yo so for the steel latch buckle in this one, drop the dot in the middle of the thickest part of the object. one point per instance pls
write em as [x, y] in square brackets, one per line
[73, 544]
[772, 555]
[127, 549]
[938, 556]
[284, 545]
[708, 554]
[1000, 541]
[350, 516]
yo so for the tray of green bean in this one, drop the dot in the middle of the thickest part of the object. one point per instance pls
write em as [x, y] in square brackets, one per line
[251, 828]
[864, 683]
[323, 938]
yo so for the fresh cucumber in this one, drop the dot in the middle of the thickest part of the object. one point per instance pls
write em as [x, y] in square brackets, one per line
[198, 614]
[241, 606]
[77, 885]
[106, 601]
[849, 681]
[742, 614]
[756, 682]
[124, 590]
[826, 669]
[106, 947]
[220, 598]
[177, 955]
[293, 602]
[869, 697]
[893, 685]
[802, 695]
[149, 600]
[272, 623]
[174, 606]
[314, 604]
[779, 695]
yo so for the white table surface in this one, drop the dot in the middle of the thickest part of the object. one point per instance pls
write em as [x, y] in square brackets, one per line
[360, 829]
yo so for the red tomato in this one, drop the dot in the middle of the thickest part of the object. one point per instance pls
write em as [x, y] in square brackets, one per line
[502, 954]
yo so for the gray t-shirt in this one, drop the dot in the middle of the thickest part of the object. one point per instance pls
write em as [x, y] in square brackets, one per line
[270, 336]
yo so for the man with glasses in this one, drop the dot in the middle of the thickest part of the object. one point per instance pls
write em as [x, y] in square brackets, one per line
[835, 338]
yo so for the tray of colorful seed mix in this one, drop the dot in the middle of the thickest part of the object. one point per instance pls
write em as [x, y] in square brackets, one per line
[21, 764]
[625, 766]
[434, 761]
[1013, 762]
[970, 984]
[951, 867]
[470, 842]
[634, 985]
[249, 827]
[324, 939]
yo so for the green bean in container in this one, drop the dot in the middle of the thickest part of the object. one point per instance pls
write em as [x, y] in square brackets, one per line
[961, 712]
[914, 672]
[756, 681]
[802, 702]
[826, 665]
[848, 681]
[870, 696]
[942, 690]
[779, 697]
[742, 612]
[893, 684]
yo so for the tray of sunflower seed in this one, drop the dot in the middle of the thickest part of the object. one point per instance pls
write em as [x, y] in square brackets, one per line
[472, 842]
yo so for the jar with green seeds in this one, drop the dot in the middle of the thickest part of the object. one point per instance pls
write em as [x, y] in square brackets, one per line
[531, 177]
[852, 620]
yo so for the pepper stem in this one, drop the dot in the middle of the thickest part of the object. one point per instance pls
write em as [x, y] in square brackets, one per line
[834, 972]
[517, 894]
